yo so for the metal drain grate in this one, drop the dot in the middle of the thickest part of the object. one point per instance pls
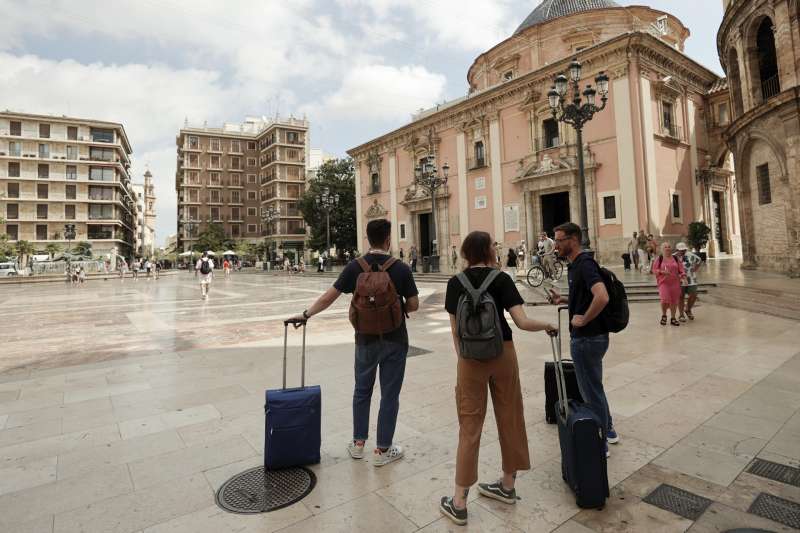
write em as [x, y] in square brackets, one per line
[678, 501]
[775, 472]
[414, 351]
[784, 512]
[253, 492]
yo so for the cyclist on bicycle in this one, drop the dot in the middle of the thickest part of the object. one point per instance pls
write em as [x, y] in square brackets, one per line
[547, 252]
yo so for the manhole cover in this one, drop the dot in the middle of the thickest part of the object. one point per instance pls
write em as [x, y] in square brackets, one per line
[253, 492]
[775, 472]
[784, 512]
[414, 351]
[678, 501]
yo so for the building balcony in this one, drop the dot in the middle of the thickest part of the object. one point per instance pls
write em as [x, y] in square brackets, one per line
[474, 163]
[672, 132]
[770, 88]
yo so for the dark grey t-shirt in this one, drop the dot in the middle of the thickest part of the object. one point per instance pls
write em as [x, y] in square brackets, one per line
[403, 281]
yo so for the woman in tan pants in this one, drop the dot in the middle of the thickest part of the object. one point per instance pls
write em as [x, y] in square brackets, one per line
[477, 378]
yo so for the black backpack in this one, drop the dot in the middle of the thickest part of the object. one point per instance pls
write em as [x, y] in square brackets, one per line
[478, 327]
[616, 314]
[205, 266]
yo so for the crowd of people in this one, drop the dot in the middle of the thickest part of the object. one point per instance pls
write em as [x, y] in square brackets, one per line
[381, 348]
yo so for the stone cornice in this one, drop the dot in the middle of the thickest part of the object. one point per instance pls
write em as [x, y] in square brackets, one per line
[612, 55]
[790, 96]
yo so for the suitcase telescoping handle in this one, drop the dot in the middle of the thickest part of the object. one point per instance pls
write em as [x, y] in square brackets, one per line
[561, 384]
[296, 322]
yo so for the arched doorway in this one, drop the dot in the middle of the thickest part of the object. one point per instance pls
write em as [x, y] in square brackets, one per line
[763, 61]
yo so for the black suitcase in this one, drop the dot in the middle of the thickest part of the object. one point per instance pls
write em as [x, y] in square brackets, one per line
[551, 387]
[293, 419]
[626, 259]
[582, 439]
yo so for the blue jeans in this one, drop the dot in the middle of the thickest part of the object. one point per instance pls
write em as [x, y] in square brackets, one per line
[587, 354]
[390, 358]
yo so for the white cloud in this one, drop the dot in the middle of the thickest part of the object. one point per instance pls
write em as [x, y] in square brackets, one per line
[380, 93]
[471, 25]
[150, 101]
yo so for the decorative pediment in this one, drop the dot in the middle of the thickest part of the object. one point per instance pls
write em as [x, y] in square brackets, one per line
[668, 88]
[376, 210]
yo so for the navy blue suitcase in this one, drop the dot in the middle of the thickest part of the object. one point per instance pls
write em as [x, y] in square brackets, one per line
[293, 435]
[583, 442]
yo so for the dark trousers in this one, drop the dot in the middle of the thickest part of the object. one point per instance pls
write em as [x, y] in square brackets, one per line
[413, 265]
[587, 354]
[388, 358]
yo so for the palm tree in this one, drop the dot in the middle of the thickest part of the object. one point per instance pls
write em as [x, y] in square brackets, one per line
[24, 249]
[52, 249]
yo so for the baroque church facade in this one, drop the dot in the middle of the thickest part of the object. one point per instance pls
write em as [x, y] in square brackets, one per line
[654, 157]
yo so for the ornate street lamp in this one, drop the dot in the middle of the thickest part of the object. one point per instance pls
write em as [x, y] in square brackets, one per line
[270, 215]
[427, 176]
[69, 234]
[327, 202]
[577, 113]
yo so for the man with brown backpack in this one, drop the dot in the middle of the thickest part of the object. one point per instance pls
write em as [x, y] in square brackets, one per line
[383, 292]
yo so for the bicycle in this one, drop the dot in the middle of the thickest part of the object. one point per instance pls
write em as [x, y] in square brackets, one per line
[538, 273]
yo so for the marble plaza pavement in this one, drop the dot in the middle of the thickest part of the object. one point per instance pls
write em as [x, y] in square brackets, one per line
[124, 406]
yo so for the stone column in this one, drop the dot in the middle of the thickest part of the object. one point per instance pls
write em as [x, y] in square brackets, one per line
[651, 186]
[696, 200]
[360, 244]
[463, 197]
[497, 183]
[625, 157]
[393, 202]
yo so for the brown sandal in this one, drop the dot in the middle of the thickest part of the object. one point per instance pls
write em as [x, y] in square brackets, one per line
[674, 322]
[663, 320]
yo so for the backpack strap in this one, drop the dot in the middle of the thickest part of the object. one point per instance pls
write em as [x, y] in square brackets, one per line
[475, 294]
[363, 264]
[388, 264]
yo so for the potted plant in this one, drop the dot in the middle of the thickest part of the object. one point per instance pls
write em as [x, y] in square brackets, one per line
[697, 238]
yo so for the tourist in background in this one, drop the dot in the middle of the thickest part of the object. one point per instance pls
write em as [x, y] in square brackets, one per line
[413, 255]
[641, 251]
[669, 275]
[691, 264]
[454, 259]
[511, 264]
[204, 269]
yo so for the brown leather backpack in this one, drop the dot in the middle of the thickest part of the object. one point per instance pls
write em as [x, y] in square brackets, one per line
[375, 308]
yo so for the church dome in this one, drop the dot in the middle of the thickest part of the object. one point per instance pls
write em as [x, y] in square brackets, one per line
[552, 9]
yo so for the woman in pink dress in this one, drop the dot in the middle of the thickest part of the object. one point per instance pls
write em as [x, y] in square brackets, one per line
[669, 275]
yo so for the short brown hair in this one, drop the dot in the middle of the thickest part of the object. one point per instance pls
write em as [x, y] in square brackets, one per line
[477, 248]
[570, 229]
[378, 231]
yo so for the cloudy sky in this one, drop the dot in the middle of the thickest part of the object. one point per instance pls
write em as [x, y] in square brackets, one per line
[355, 68]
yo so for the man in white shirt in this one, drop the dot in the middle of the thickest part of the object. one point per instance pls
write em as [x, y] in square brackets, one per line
[547, 250]
[204, 269]
[691, 264]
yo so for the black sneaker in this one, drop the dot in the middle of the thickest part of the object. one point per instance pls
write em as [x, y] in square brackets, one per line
[448, 508]
[497, 492]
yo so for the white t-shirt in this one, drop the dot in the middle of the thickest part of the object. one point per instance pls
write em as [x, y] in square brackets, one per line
[205, 278]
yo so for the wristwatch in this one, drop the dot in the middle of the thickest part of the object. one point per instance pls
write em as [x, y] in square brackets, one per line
[306, 315]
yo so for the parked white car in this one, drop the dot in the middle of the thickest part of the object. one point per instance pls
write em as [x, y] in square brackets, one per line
[8, 269]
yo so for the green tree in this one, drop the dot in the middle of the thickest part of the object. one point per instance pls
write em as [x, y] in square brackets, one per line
[213, 238]
[52, 249]
[338, 177]
[82, 248]
[24, 249]
[698, 235]
[7, 251]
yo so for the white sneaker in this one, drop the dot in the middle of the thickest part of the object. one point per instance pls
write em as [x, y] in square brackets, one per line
[355, 451]
[384, 458]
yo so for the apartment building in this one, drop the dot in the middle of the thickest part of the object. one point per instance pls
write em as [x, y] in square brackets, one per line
[246, 177]
[145, 216]
[61, 170]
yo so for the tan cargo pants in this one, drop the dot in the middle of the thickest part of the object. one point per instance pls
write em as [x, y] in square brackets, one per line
[499, 376]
